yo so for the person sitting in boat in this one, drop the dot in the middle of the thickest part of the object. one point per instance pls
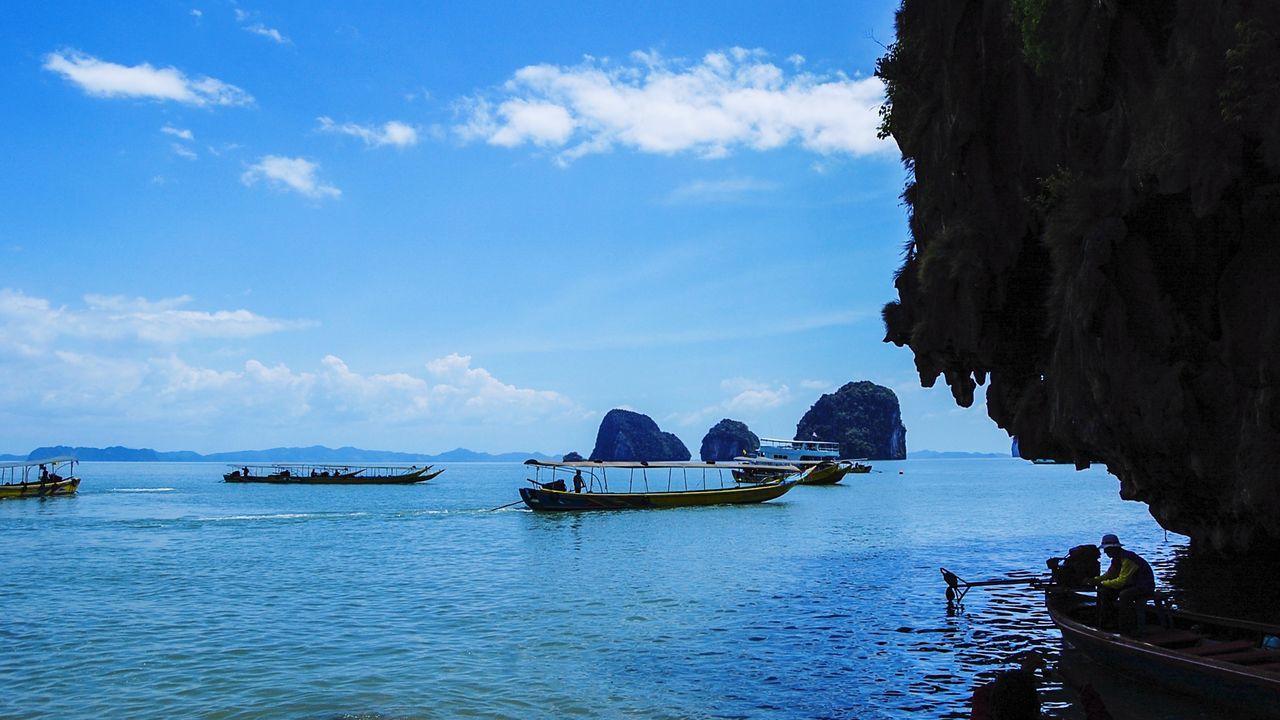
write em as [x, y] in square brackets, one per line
[245, 472]
[1126, 586]
[578, 483]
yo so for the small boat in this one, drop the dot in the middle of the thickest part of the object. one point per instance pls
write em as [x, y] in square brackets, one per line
[648, 485]
[804, 454]
[49, 477]
[1232, 663]
[296, 474]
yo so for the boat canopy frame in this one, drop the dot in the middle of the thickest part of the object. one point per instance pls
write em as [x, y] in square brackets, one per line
[596, 473]
[334, 469]
[9, 471]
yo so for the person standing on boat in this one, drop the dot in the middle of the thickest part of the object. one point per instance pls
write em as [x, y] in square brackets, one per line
[1126, 586]
[578, 483]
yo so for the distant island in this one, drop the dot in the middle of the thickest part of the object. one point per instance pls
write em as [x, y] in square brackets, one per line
[314, 454]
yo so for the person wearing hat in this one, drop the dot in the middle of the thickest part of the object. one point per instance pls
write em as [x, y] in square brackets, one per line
[1126, 586]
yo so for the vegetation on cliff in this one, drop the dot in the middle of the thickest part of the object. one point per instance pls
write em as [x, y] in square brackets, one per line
[727, 440]
[863, 417]
[1095, 227]
[626, 435]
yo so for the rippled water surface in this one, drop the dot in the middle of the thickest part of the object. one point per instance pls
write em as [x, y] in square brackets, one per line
[162, 592]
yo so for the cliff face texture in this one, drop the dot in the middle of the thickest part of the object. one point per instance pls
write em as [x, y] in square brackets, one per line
[626, 435]
[863, 417]
[1095, 228]
[727, 440]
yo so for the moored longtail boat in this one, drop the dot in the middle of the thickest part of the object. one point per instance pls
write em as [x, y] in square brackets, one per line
[299, 474]
[648, 485]
[1232, 663]
[49, 477]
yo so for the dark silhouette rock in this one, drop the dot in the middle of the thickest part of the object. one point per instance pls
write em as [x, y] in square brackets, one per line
[863, 417]
[1094, 205]
[727, 440]
[572, 457]
[626, 435]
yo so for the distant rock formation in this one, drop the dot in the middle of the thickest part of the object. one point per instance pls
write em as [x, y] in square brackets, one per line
[863, 417]
[727, 440]
[572, 457]
[626, 435]
[1093, 207]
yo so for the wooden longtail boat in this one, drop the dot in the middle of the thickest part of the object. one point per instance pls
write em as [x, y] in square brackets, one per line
[648, 485]
[291, 474]
[50, 477]
[1233, 663]
[825, 472]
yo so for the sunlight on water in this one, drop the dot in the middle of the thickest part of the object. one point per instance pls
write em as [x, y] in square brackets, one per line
[161, 592]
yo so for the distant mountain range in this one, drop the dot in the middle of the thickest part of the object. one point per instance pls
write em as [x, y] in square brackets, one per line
[313, 454]
[951, 455]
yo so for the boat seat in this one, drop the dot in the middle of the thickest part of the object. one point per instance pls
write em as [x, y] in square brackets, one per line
[1218, 648]
[1256, 656]
[1169, 638]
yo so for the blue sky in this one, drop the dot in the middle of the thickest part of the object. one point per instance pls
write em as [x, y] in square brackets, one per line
[411, 227]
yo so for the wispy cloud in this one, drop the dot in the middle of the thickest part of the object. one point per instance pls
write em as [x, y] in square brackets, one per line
[183, 151]
[107, 79]
[269, 33]
[177, 132]
[391, 133]
[706, 192]
[33, 323]
[297, 174]
[724, 102]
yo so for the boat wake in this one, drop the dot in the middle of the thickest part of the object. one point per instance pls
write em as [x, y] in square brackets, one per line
[141, 490]
[282, 516]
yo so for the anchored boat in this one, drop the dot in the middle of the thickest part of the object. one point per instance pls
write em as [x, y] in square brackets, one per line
[647, 485]
[822, 457]
[1234, 663]
[298, 474]
[49, 477]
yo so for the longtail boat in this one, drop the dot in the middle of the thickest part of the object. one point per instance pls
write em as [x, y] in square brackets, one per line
[647, 485]
[49, 477]
[824, 472]
[298, 474]
[1232, 663]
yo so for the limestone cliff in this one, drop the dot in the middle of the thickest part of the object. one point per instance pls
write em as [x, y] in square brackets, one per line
[626, 435]
[1095, 227]
[727, 440]
[863, 417]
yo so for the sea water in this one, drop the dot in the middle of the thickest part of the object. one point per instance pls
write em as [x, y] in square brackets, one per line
[161, 592]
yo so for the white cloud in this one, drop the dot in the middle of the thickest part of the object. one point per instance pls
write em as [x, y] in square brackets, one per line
[269, 33]
[745, 398]
[177, 132]
[241, 15]
[391, 133]
[106, 79]
[183, 151]
[724, 102]
[823, 385]
[196, 12]
[31, 325]
[296, 174]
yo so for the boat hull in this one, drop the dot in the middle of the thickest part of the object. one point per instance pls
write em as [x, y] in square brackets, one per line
[543, 499]
[40, 489]
[826, 474]
[1253, 692]
[406, 479]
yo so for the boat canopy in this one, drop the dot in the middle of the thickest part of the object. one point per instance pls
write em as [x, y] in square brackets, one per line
[320, 466]
[660, 464]
[58, 460]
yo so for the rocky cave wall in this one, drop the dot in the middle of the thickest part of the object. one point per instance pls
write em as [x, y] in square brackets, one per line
[1095, 229]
